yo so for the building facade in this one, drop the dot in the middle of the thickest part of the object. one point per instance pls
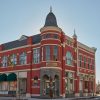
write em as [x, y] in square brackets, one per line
[49, 64]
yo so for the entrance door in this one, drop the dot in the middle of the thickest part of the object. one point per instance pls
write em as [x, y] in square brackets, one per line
[51, 86]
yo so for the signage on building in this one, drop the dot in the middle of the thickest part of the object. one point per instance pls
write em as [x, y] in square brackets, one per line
[50, 64]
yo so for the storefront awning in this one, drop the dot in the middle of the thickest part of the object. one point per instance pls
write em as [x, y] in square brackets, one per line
[12, 77]
[3, 77]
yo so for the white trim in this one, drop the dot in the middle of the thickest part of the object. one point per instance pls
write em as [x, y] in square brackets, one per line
[33, 79]
[51, 61]
[50, 39]
[50, 33]
[15, 48]
[69, 70]
[23, 64]
[35, 48]
[16, 71]
[52, 28]
[36, 69]
[47, 68]
[36, 44]
[51, 68]
[51, 44]
[69, 65]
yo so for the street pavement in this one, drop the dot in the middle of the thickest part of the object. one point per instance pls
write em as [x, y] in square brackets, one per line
[78, 98]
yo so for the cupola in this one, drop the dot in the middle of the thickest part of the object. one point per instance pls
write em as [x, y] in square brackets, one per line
[51, 20]
[50, 23]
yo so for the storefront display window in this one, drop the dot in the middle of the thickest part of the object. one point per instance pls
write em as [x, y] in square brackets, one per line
[13, 86]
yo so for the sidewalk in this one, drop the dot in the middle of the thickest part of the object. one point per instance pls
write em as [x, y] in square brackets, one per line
[24, 98]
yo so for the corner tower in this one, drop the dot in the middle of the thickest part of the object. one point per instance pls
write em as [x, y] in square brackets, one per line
[50, 72]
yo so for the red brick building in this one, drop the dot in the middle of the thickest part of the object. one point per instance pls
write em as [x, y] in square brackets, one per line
[47, 64]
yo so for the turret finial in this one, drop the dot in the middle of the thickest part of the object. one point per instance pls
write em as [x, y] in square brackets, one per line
[74, 31]
[50, 8]
[75, 36]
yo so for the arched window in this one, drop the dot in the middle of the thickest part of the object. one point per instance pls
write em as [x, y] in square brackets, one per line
[23, 57]
[69, 58]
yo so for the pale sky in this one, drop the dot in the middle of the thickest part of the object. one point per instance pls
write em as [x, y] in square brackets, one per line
[26, 17]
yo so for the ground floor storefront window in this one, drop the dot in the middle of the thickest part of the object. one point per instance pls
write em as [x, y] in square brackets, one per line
[10, 84]
[69, 84]
[8, 87]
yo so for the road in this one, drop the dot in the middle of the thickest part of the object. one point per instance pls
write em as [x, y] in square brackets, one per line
[84, 98]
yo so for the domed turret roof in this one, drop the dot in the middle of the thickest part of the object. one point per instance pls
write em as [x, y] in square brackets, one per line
[50, 20]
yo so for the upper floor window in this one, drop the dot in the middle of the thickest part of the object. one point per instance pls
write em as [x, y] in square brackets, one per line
[80, 60]
[93, 65]
[4, 61]
[69, 58]
[23, 58]
[55, 36]
[13, 59]
[36, 55]
[55, 53]
[47, 48]
[80, 57]
[89, 62]
[84, 61]
[50, 35]
[46, 36]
